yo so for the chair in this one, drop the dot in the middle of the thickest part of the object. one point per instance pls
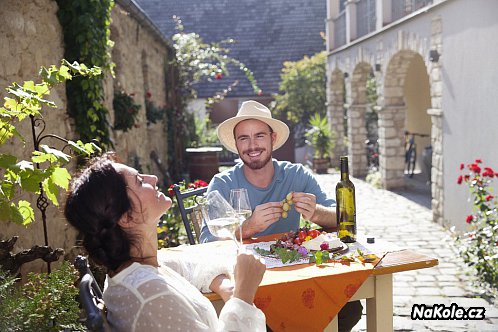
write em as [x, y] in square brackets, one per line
[194, 212]
[90, 297]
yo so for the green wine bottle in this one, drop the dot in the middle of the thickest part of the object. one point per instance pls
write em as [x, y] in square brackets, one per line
[346, 205]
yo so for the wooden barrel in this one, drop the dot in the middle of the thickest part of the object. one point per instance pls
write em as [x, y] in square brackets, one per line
[202, 163]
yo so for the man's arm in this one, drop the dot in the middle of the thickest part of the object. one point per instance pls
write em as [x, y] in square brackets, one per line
[325, 217]
[262, 217]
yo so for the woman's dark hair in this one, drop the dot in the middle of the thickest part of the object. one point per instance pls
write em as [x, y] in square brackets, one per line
[96, 201]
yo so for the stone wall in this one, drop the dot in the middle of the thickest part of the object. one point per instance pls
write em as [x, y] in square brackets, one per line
[31, 36]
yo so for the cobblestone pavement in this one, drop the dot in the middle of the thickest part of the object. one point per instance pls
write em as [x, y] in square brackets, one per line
[392, 217]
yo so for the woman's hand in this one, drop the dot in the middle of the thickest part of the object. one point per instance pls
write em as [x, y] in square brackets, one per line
[249, 272]
[223, 286]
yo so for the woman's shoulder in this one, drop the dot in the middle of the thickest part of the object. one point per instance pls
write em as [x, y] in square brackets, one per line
[136, 275]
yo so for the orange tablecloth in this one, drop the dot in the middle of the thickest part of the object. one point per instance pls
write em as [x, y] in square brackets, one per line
[307, 297]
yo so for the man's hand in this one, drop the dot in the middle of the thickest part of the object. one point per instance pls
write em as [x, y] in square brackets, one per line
[305, 204]
[263, 216]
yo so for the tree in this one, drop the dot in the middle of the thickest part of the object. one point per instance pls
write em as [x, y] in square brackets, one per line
[302, 93]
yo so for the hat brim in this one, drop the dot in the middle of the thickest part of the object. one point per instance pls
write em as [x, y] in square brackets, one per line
[226, 137]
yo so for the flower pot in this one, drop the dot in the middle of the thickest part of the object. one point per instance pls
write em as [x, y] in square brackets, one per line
[321, 165]
[203, 163]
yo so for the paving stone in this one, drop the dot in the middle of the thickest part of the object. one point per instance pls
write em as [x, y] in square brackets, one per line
[454, 291]
[428, 291]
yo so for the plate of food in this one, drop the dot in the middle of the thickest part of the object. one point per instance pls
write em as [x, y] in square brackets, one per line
[303, 245]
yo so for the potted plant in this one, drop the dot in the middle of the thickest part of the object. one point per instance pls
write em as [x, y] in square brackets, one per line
[321, 138]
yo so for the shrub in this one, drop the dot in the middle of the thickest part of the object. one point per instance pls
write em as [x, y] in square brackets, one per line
[479, 247]
[125, 111]
[44, 303]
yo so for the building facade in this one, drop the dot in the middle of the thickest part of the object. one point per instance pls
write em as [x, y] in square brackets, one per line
[434, 68]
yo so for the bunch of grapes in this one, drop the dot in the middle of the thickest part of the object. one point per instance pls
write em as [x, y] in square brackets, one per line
[286, 205]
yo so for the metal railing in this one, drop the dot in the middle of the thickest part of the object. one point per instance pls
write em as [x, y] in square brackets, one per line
[401, 8]
[365, 17]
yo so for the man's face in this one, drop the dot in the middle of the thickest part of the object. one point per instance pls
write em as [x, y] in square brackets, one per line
[254, 140]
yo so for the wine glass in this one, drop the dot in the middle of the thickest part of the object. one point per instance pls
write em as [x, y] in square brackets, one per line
[239, 199]
[220, 217]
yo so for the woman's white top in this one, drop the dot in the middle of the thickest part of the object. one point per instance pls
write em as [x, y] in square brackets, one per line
[146, 298]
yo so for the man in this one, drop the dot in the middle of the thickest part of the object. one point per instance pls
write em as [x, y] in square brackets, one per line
[254, 135]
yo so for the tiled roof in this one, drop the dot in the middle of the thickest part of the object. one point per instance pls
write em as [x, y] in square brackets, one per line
[267, 32]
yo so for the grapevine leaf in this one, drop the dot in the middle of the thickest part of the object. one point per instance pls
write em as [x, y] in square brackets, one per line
[25, 209]
[51, 191]
[30, 180]
[59, 154]
[40, 157]
[15, 215]
[6, 160]
[60, 177]
[24, 165]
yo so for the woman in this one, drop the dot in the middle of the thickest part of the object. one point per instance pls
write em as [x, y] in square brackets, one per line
[116, 209]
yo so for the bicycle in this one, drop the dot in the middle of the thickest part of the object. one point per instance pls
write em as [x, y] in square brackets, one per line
[411, 152]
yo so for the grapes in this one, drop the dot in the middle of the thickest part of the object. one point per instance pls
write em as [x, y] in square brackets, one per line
[286, 205]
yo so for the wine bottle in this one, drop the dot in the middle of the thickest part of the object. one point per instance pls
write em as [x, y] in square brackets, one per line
[346, 205]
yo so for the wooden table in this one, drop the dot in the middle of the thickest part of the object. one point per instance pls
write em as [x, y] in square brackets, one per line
[377, 289]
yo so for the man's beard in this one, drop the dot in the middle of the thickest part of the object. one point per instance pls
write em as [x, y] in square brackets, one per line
[257, 164]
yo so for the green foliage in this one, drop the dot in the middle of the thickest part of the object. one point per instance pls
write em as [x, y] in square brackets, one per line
[199, 61]
[374, 179]
[302, 92]
[320, 136]
[125, 111]
[153, 113]
[205, 133]
[47, 302]
[170, 229]
[46, 166]
[479, 247]
[86, 26]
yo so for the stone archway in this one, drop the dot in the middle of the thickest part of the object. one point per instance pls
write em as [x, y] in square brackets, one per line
[357, 132]
[335, 111]
[392, 118]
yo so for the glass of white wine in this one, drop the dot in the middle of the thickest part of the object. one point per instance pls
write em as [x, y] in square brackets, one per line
[239, 199]
[220, 217]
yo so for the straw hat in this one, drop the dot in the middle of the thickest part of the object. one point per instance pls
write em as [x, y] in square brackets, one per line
[251, 110]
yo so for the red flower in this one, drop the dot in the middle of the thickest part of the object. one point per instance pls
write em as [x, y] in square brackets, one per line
[478, 161]
[488, 172]
[469, 218]
[466, 178]
[461, 166]
[218, 76]
[489, 197]
[148, 94]
[170, 191]
[200, 183]
[474, 168]
[460, 178]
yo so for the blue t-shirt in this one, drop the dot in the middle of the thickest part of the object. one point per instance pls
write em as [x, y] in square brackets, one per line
[288, 178]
